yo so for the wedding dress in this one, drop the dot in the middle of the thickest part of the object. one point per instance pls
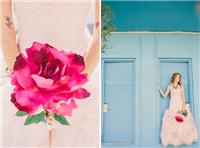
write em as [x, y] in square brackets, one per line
[173, 132]
[63, 25]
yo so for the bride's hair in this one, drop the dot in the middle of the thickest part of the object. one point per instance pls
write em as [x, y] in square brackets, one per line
[174, 76]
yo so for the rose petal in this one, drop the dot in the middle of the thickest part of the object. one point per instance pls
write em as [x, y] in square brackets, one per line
[73, 60]
[78, 79]
[81, 93]
[34, 57]
[23, 72]
[27, 101]
[29, 98]
[61, 55]
[42, 82]
[13, 78]
[56, 97]
[38, 55]
[63, 108]
[49, 85]
[66, 109]
[36, 46]
[77, 62]
[63, 70]
[53, 69]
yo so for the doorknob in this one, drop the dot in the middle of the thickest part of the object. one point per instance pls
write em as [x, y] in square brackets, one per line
[106, 108]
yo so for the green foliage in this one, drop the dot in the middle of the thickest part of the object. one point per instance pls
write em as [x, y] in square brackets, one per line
[21, 114]
[42, 116]
[61, 119]
[35, 118]
[106, 25]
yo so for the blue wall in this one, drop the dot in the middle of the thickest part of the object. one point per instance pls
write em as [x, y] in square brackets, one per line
[149, 51]
[146, 50]
[155, 16]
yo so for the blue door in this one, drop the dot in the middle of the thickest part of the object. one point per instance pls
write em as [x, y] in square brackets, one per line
[118, 101]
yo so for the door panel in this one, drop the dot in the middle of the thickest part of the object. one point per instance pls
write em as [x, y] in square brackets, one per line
[119, 71]
[118, 119]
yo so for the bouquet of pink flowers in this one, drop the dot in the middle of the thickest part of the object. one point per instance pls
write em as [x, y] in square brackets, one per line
[47, 82]
[181, 114]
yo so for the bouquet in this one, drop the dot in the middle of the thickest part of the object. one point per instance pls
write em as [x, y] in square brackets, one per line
[180, 115]
[47, 83]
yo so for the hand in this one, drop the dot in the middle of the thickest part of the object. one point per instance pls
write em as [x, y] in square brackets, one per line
[158, 86]
[184, 107]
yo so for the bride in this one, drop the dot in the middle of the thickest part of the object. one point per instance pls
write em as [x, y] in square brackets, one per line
[178, 126]
[62, 24]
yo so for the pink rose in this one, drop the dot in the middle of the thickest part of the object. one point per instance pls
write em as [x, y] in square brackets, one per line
[179, 118]
[48, 79]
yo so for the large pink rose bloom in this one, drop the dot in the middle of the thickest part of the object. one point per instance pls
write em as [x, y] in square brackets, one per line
[48, 79]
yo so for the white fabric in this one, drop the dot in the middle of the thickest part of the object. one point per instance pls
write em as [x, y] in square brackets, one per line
[61, 24]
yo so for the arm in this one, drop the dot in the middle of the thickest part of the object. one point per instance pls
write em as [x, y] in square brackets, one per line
[92, 56]
[183, 96]
[9, 45]
[164, 95]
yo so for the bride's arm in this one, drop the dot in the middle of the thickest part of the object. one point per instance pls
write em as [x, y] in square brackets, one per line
[9, 45]
[92, 56]
[164, 95]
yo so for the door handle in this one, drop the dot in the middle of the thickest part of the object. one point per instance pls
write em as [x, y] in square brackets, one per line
[187, 103]
[106, 108]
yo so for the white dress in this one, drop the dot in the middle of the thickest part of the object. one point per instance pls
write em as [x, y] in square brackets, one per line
[63, 25]
[173, 132]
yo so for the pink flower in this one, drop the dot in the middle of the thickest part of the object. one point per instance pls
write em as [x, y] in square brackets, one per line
[179, 118]
[48, 79]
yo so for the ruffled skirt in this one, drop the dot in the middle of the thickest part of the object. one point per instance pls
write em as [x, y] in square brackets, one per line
[177, 133]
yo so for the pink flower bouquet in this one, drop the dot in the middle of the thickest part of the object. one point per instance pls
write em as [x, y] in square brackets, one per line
[180, 115]
[47, 82]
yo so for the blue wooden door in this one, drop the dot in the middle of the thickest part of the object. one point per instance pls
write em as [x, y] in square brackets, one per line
[118, 101]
